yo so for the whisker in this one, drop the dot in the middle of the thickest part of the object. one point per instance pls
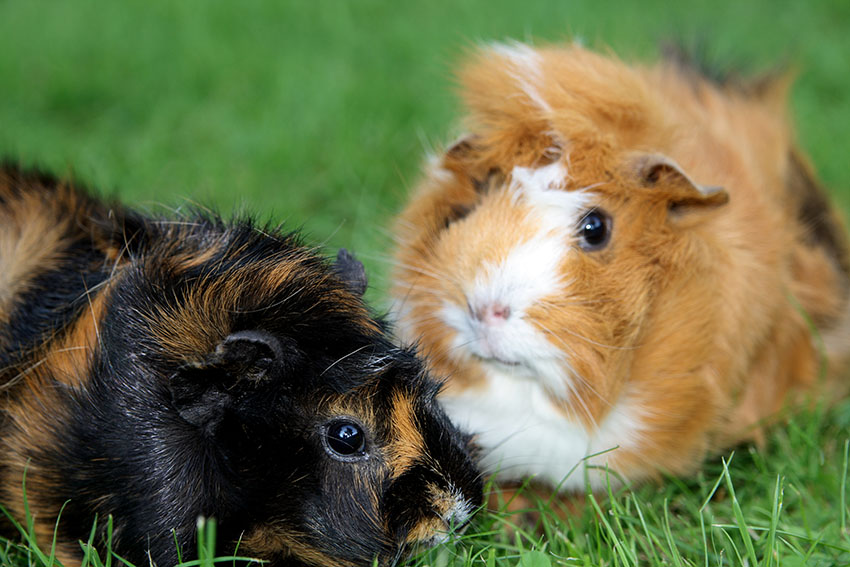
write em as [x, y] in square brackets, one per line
[430, 272]
[93, 316]
[340, 359]
[271, 305]
[28, 370]
[577, 376]
[581, 337]
[433, 291]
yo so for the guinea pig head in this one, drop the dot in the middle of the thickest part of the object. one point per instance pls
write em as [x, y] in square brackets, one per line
[299, 426]
[544, 270]
[537, 257]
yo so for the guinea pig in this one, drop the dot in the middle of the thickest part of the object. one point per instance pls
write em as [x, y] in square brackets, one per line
[620, 268]
[161, 369]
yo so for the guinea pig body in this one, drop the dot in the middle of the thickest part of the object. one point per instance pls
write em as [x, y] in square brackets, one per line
[158, 370]
[620, 266]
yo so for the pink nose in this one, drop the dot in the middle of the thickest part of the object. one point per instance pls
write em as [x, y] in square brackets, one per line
[493, 313]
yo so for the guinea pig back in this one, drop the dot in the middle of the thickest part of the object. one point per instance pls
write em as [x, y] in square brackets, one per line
[162, 369]
[623, 266]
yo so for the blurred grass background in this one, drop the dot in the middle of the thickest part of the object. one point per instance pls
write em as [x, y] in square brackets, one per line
[319, 112]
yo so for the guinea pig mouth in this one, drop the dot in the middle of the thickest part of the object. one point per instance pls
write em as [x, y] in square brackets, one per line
[437, 530]
[497, 360]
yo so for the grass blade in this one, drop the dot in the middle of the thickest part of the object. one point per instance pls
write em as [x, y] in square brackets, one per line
[739, 516]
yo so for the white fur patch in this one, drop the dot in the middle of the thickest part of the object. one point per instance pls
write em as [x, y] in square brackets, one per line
[460, 511]
[523, 434]
[542, 189]
[435, 171]
[525, 69]
[455, 518]
[526, 275]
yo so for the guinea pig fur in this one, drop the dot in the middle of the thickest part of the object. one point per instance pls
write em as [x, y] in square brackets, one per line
[621, 266]
[162, 369]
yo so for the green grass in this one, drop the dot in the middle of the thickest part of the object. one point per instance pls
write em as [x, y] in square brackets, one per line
[319, 113]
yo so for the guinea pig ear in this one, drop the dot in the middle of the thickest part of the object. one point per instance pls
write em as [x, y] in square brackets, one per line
[464, 158]
[684, 194]
[486, 167]
[351, 271]
[204, 391]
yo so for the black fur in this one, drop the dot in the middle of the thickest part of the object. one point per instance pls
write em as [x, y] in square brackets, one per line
[56, 298]
[695, 59]
[221, 352]
[351, 271]
[815, 213]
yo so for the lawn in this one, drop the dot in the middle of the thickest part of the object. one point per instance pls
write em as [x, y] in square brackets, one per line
[318, 114]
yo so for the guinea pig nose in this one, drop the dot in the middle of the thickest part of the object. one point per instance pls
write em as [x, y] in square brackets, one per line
[493, 313]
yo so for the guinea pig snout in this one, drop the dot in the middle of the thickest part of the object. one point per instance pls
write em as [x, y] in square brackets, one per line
[488, 329]
[452, 507]
[491, 313]
[449, 510]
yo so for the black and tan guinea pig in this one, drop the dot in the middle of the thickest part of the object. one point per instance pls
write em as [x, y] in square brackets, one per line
[622, 266]
[162, 369]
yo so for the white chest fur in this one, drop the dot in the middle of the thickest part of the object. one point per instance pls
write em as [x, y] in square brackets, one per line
[524, 435]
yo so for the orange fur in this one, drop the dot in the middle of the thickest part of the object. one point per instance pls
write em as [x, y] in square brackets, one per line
[403, 451]
[697, 309]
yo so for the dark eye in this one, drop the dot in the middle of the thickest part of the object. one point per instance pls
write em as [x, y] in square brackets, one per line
[594, 230]
[345, 440]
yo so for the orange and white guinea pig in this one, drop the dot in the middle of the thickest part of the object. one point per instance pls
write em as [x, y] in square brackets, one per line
[620, 266]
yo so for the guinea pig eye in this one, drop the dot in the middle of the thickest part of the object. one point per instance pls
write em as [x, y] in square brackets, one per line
[344, 440]
[594, 230]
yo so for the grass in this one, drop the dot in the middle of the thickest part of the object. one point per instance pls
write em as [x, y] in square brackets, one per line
[319, 113]
[28, 552]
